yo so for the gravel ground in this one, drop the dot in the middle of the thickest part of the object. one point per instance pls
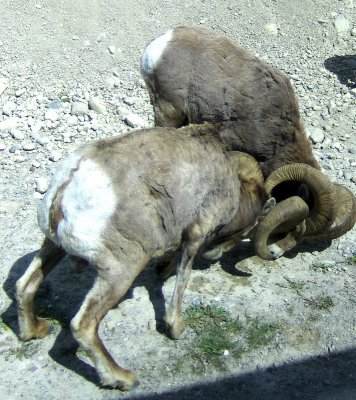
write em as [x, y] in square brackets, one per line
[69, 73]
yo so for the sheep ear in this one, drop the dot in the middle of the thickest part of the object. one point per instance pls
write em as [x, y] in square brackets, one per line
[267, 207]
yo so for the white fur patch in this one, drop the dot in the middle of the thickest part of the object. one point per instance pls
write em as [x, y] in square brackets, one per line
[60, 176]
[88, 202]
[153, 52]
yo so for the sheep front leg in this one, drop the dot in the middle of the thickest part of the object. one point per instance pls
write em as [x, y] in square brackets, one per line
[173, 318]
[26, 287]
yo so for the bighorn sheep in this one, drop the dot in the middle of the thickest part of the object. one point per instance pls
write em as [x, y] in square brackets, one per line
[194, 75]
[120, 202]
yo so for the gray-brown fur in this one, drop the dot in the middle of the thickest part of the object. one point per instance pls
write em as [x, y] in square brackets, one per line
[175, 190]
[202, 76]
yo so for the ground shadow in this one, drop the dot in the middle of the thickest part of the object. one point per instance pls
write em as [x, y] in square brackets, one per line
[344, 67]
[330, 377]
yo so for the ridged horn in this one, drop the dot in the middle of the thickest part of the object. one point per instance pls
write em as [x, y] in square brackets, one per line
[345, 214]
[291, 211]
[323, 212]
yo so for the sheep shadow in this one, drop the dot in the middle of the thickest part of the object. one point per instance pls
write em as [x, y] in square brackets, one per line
[344, 67]
[61, 294]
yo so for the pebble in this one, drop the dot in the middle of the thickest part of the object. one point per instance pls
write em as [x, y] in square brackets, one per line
[29, 146]
[97, 104]
[8, 108]
[2, 146]
[112, 49]
[42, 185]
[72, 120]
[51, 115]
[101, 37]
[55, 104]
[342, 24]
[8, 124]
[55, 156]
[134, 121]
[271, 28]
[79, 108]
[20, 92]
[316, 134]
[18, 135]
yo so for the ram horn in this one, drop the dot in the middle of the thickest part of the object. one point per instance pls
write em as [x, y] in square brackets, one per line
[323, 203]
[290, 213]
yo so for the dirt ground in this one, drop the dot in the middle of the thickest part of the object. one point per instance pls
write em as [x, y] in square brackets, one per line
[53, 54]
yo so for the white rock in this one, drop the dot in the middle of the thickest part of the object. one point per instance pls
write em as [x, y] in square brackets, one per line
[51, 115]
[271, 28]
[72, 120]
[2, 146]
[8, 108]
[42, 185]
[18, 135]
[316, 134]
[20, 92]
[341, 23]
[97, 104]
[9, 123]
[3, 85]
[79, 108]
[29, 146]
[55, 156]
[134, 120]
[101, 37]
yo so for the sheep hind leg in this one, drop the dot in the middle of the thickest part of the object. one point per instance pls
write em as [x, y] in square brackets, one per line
[173, 318]
[26, 287]
[112, 282]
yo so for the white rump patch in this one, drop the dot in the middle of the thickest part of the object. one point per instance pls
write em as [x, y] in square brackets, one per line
[61, 175]
[153, 52]
[88, 202]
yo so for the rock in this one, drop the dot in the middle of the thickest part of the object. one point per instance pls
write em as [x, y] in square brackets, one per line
[97, 104]
[9, 123]
[42, 185]
[55, 104]
[51, 115]
[271, 28]
[8, 108]
[19, 159]
[55, 156]
[2, 146]
[342, 24]
[3, 85]
[29, 146]
[18, 135]
[353, 179]
[316, 134]
[72, 120]
[134, 121]
[130, 101]
[20, 92]
[101, 37]
[79, 108]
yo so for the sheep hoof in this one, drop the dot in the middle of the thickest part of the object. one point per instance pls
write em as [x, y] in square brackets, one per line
[38, 331]
[124, 383]
[175, 331]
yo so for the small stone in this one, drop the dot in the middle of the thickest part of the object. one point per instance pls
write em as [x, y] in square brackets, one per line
[8, 108]
[353, 32]
[226, 353]
[342, 24]
[72, 120]
[316, 135]
[20, 92]
[130, 101]
[51, 115]
[9, 123]
[36, 164]
[55, 104]
[55, 156]
[79, 108]
[97, 104]
[43, 140]
[19, 159]
[3, 85]
[101, 37]
[18, 135]
[134, 121]
[271, 28]
[353, 179]
[42, 185]
[29, 146]
[2, 146]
